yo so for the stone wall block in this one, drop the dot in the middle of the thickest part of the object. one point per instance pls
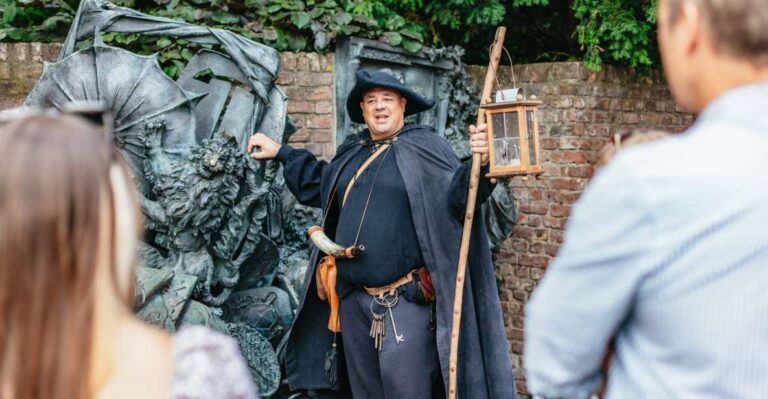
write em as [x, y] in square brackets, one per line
[322, 136]
[323, 107]
[285, 79]
[326, 62]
[313, 59]
[36, 52]
[320, 121]
[20, 52]
[315, 79]
[302, 63]
[320, 93]
[288, 62]
[301, 135]
[51, 51]
[303, 107]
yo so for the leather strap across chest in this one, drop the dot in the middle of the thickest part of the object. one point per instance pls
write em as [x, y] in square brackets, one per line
[362, 169]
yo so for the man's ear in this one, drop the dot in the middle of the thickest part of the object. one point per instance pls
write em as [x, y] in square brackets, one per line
[403, 101]
[691, 25]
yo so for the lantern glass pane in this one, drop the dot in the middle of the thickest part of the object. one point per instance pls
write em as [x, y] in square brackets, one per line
[531, 143]
[506, 138]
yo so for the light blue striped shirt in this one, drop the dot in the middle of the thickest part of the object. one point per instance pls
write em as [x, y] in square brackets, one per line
[667, 250]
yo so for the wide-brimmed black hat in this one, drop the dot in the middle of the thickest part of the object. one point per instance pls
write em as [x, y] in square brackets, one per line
[414, 103]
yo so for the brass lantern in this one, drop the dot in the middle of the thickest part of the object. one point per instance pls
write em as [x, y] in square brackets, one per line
[513, 135]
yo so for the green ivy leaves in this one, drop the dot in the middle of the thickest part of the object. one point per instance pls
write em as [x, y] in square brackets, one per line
[301, 19]
[298, 25]
[617, 31]
[598, 31]
[33, 20]
[392, 38]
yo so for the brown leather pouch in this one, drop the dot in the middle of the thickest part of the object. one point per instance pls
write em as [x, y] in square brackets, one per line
[325, 279]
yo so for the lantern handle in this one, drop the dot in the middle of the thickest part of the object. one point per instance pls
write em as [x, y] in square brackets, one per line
[511, 68]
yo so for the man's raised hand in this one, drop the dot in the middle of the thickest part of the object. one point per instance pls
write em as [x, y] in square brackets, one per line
[260, 146]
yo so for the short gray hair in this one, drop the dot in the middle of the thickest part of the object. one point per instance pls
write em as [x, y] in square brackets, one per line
[739, 27]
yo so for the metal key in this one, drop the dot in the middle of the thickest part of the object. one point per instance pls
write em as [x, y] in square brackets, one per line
[398, 337]
[378, 331]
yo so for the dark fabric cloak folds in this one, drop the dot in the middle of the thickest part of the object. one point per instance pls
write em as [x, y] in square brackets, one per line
[427, 164]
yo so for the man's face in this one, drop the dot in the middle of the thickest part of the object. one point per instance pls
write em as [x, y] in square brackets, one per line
[383, 111]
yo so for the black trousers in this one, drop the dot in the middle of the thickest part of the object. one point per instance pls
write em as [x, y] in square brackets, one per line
[409, 369]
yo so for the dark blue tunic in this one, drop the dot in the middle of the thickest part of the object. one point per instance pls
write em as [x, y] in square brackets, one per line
[391, 245]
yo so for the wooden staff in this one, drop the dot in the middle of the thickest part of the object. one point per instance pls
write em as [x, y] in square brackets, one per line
[474, 180]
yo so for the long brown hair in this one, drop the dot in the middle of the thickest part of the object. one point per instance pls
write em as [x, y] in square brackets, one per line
[54, 185]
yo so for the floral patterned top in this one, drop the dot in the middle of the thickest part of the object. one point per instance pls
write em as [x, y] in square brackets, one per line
[209, 365]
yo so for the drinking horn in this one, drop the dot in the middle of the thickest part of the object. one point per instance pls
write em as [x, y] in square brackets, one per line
[327, 246]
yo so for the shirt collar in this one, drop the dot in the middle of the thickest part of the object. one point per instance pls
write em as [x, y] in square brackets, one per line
[749, 99]
[365, 134]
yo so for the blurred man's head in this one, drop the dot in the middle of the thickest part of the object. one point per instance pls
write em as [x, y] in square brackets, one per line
[709, 46]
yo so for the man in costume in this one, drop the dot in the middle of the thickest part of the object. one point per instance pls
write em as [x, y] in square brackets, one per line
[656, 257]
[400, 191]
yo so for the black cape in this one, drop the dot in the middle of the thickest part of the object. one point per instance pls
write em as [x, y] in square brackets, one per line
[427, 164]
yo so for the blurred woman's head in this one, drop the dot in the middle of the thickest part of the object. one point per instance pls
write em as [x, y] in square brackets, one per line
[68, 229]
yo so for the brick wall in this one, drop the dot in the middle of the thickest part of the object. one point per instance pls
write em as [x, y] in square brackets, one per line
[20, 66]
[581, 111]
[307, 80]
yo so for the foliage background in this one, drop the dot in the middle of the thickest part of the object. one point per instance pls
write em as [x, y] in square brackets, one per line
[596, 31]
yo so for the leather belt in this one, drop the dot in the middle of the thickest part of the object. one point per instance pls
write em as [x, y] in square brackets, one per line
[390, 289]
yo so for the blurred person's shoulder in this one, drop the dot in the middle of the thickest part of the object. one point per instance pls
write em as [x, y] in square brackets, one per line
[208, 364]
